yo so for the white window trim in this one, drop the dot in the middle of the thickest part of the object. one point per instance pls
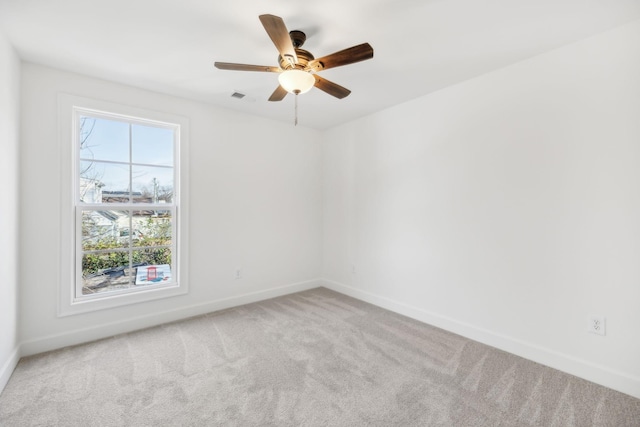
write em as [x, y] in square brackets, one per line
[68, 303]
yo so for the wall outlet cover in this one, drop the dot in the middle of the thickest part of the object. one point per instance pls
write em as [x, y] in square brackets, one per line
[597, 325]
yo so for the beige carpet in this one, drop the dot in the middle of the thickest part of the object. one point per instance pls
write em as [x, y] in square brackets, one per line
[315, 358]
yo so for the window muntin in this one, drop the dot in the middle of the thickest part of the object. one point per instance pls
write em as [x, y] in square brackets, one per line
[126, 204]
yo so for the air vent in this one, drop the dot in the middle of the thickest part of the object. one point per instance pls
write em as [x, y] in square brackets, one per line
[237, 95]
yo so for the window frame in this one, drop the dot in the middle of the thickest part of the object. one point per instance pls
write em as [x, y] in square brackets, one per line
[71, 301]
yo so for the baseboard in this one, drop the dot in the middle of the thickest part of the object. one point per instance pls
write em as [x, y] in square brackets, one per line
[54, 342]
[8, 367]
[598, 374]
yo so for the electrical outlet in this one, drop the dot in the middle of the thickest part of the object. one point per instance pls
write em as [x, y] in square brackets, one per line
[597, 325]
[238, 273]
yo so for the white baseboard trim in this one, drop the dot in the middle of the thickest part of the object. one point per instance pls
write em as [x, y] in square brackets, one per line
[8, 367]
[598, 374]
[54, 342]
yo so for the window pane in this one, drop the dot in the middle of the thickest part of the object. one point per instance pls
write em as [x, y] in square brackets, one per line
[104, 182]
[152, 228]
[152, 184]
[152, 145]
[105, 230]
[106, 271]
[103, 139]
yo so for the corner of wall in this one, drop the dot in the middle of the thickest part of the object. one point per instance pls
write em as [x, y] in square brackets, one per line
[9, 366]
[10, 68]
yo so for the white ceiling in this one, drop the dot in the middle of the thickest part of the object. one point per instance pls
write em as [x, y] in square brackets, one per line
[420, 46]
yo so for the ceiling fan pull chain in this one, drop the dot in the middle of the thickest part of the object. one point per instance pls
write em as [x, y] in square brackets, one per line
[295, 123]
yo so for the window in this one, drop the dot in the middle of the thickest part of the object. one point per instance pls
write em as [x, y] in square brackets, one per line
[126, 206]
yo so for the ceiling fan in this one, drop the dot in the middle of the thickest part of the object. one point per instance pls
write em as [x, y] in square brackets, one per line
[298, 67]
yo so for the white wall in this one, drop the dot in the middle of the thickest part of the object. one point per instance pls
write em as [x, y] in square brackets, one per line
[506, 208]
[255, 202]
[9, 125]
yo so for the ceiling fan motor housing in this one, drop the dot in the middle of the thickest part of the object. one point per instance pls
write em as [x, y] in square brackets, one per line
[304, 56]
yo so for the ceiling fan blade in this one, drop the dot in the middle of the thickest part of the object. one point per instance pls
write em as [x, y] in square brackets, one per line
[278, 94]
[350, 55]
[331, 88]
[246, 67]
[274, 25]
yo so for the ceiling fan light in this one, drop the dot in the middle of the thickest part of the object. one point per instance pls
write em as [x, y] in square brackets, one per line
[296, 81]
